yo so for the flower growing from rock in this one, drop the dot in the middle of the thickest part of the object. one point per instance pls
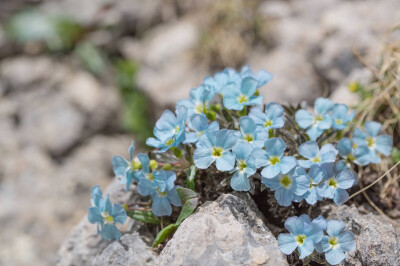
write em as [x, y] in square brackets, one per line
[149, 179]
[214, 146]
[169, 130]
[199, 123]
[106, 215]
[319, 121]
[272, 158]
[245, 167]
[272, 118]
[238, 95]
[287, 186]
[310, 150]
[337, 243]
[250, 133]
[375, 143]
[303, 236]
[334, 184]
[163, 198]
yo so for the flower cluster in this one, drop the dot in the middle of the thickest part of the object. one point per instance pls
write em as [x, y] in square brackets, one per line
[224, 127]
[105, 214]
[307, 236]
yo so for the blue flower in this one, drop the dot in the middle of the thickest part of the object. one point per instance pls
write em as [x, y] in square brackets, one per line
[199, 123]
[237, 95]
[340, 118]
[337, 243]
[286, 186]
[375, 143]
[149, 181]
[353, 153]
[245, 167]
[106, 215]
[123, 169]
[162, 199]
[315, 175]
[262, 77]
[319, 221]
[169, 130]
[222, 78]
[215, 146]
[272, 158]
[318, 122]
[272, 118]
[250, 133]
[302, 235]
[198, 100]
[334, 185]
[310, 150]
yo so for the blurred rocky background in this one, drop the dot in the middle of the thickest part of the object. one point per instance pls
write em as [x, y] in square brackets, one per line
[80, 79]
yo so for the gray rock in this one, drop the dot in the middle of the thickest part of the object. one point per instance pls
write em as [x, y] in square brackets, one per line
[130, 250]
[378, 243]
[223, 232]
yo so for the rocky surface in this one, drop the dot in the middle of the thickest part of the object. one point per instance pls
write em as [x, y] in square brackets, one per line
[378, 241]
[223, 232]
[130, 250]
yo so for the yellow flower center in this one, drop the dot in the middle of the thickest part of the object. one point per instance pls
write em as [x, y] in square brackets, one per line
[353, 86]
[318, 118]
[149, 176]
[243, 99]
[350, 157]
[169, 142]
[216, 152]
[316, 160]
[370, 142]
[274, 160]
[333, 241]
[107, 218]
[268, 123]
[300, 239]
[161, 194]
[242, 165]
[286, 181]
[332, 182]
[248, 138]
[199, 108]
[200, 133]
[355, 146]
[153, 164]
[339, 121]
[136, 165]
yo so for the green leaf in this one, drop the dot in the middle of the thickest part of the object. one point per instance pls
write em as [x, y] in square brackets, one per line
[191, 174]
[177, 152]
[186, 194]
[188, 208]
[227, 116]
[163, 234]
[143, 216]
[93, 59]
[395, 155]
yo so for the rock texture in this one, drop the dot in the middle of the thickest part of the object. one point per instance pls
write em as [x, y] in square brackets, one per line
[378, 242]
[223, 232]
[130, 250]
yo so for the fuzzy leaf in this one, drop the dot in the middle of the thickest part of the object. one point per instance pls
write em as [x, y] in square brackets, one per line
[143, 216]
[163, 234]
[191, 174]
[188, 208]
[185, 194]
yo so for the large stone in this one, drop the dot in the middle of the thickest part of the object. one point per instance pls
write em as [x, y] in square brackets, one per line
[130, 250]
[378, 242]
[223, 232]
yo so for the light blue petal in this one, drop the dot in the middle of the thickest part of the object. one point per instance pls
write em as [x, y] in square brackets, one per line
[328, 149]
[94, 215]
[198, 122]
[311, 196]
[305, 218]
[347, 241]
[384, 144]
[248, 86]
[284, 196]
[275, 147]
[340, 197]
[314, 132]
[335, 227]
[110, 232]
[154, 142]
[304, 118]
[240, 182]
[255, 100]
[323, 105]
[324, 190]
[288, 163]
[191, 137]
[173, 197]
[247, 125]
[161, 206]
[345, 147]
[309, 149]
[326, 122]
[358, 134]
[263, 77]
[166, 121]
[273, 183]
[170, 179]
[261, 158]
[323, 245]
[305, 163]
[226, 162]
[361, 155]
[314, 232]
[146, 187]
[294, 225]
[300, 185]
[287, 243]
[335, 256]
[119, 165]
[118, 213]
[202, 158]
[243, 150]
[373, 128]
[96, 196]
[345, 179]
[271, 171]
[373, 157]
[320, 221]
[226, 139]
[258, 116]
[131, 149]
[317, 173]
[306, 249]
